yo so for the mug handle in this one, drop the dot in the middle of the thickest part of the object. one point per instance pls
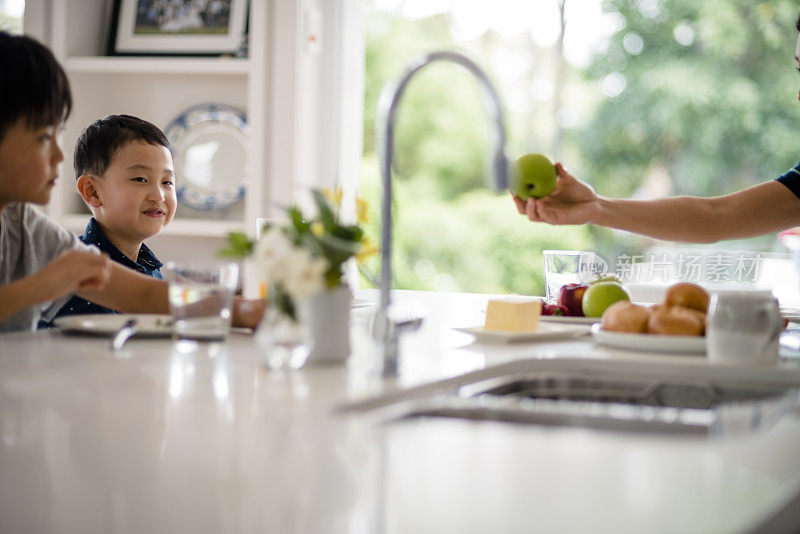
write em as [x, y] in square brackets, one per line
[775, 328]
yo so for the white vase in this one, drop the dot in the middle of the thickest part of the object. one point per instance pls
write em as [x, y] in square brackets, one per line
[327, 316]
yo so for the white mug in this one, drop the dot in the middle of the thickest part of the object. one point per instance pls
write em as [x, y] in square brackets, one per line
[743, 327]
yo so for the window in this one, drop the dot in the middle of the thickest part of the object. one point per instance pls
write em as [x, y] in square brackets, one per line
[640, 98]
[11, 12]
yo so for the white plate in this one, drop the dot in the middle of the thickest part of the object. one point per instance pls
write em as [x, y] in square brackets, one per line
[210, 144]
[545, 332]
[565, 319]
[650, 342]
[104, 325]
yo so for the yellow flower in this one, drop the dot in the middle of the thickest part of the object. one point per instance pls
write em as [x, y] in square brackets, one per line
[318, 229]
[367, 249]
[362, 211]
[334, 197]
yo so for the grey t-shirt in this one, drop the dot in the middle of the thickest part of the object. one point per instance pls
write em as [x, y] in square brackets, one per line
[29, 240]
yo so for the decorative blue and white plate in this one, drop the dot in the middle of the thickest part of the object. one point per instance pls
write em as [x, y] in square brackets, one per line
[210, 145]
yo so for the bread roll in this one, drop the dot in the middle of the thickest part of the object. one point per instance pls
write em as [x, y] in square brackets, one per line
[687, 295]
[675, 321]
[625, 316]
[700, 317]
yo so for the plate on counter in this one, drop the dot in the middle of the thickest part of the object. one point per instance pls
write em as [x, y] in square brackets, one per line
[565, 319]
[545, 332]
[150, 325]
[649, 342]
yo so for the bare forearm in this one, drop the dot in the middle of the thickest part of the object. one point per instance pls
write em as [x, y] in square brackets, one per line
[247, 312]
[131, 292]
[686, 219]
[762, 209]
[18, 295]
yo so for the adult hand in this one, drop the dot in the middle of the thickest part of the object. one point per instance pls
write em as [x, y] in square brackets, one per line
[570, 202]
[73, 271]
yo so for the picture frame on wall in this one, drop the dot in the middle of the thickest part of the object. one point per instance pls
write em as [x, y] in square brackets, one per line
[178, 27]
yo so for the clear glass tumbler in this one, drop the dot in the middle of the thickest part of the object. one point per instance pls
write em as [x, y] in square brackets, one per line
[201, 298]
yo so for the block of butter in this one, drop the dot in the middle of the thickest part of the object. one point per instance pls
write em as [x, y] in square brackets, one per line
[513, 314]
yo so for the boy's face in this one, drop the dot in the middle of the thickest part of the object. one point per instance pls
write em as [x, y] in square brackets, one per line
[137, 192]
[29, 161]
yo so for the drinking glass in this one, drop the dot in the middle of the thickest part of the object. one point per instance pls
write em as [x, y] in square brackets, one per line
[201, 298]
[563, 267]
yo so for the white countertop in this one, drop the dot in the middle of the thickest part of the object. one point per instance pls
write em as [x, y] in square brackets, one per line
[176, 437]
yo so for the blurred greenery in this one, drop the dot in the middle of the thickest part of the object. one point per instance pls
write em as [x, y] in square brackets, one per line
[718, 113]
[475, 244]
[699, 99]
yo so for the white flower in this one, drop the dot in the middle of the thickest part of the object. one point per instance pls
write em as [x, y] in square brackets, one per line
[271, 254]
[305, 274]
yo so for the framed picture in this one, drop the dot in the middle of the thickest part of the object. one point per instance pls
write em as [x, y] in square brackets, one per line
[177, 27]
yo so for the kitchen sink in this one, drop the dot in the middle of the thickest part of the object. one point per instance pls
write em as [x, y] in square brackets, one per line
[607, 394]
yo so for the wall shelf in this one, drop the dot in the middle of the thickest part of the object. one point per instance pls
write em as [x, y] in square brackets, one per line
[158, 65]
[177, 228]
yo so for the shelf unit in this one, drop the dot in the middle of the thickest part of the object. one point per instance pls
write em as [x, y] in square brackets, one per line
[145, 65]
[177, 228]
[159, 89]
[301, 88]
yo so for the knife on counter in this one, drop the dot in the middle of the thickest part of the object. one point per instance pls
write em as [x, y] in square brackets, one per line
[122, 335]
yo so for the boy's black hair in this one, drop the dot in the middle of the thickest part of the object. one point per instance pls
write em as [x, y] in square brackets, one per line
[33, 85]
[101, 139]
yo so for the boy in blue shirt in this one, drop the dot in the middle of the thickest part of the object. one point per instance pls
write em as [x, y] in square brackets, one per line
[41, 264]
[124, 172]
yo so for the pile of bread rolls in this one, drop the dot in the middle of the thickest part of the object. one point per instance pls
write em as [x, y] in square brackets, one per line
[683, 313]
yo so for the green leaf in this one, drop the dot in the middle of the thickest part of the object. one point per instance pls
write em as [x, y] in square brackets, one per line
[326, 215]
[239, 246]
[300, 226]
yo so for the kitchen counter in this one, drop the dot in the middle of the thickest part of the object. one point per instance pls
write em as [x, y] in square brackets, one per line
[178, 437]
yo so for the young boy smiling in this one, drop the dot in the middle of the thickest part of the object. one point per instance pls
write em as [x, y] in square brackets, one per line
[41, 264]
[124, 172]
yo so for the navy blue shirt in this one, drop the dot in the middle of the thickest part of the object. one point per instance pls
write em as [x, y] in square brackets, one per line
[146, 263]
[791, 179]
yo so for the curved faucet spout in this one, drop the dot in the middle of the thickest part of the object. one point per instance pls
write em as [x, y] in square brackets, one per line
[388, 102]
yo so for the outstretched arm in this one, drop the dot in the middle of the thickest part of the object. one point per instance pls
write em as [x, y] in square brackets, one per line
[758, 210]
[131, 292]
[134, 292]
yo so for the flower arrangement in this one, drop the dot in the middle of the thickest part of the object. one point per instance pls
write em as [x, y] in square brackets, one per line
[305, 256]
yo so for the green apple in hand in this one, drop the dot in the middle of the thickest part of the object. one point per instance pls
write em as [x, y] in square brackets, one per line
[535, 177]
[600, 296]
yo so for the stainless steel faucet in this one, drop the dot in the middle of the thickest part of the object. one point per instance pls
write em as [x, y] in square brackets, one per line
[386, 330]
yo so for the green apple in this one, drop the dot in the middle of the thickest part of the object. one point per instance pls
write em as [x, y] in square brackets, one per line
[600, 296]
[535, 177]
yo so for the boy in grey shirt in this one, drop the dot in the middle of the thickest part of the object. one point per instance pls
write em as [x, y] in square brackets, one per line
[29, 242]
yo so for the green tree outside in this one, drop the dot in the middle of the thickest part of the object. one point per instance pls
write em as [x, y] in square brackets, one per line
[701, 100]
